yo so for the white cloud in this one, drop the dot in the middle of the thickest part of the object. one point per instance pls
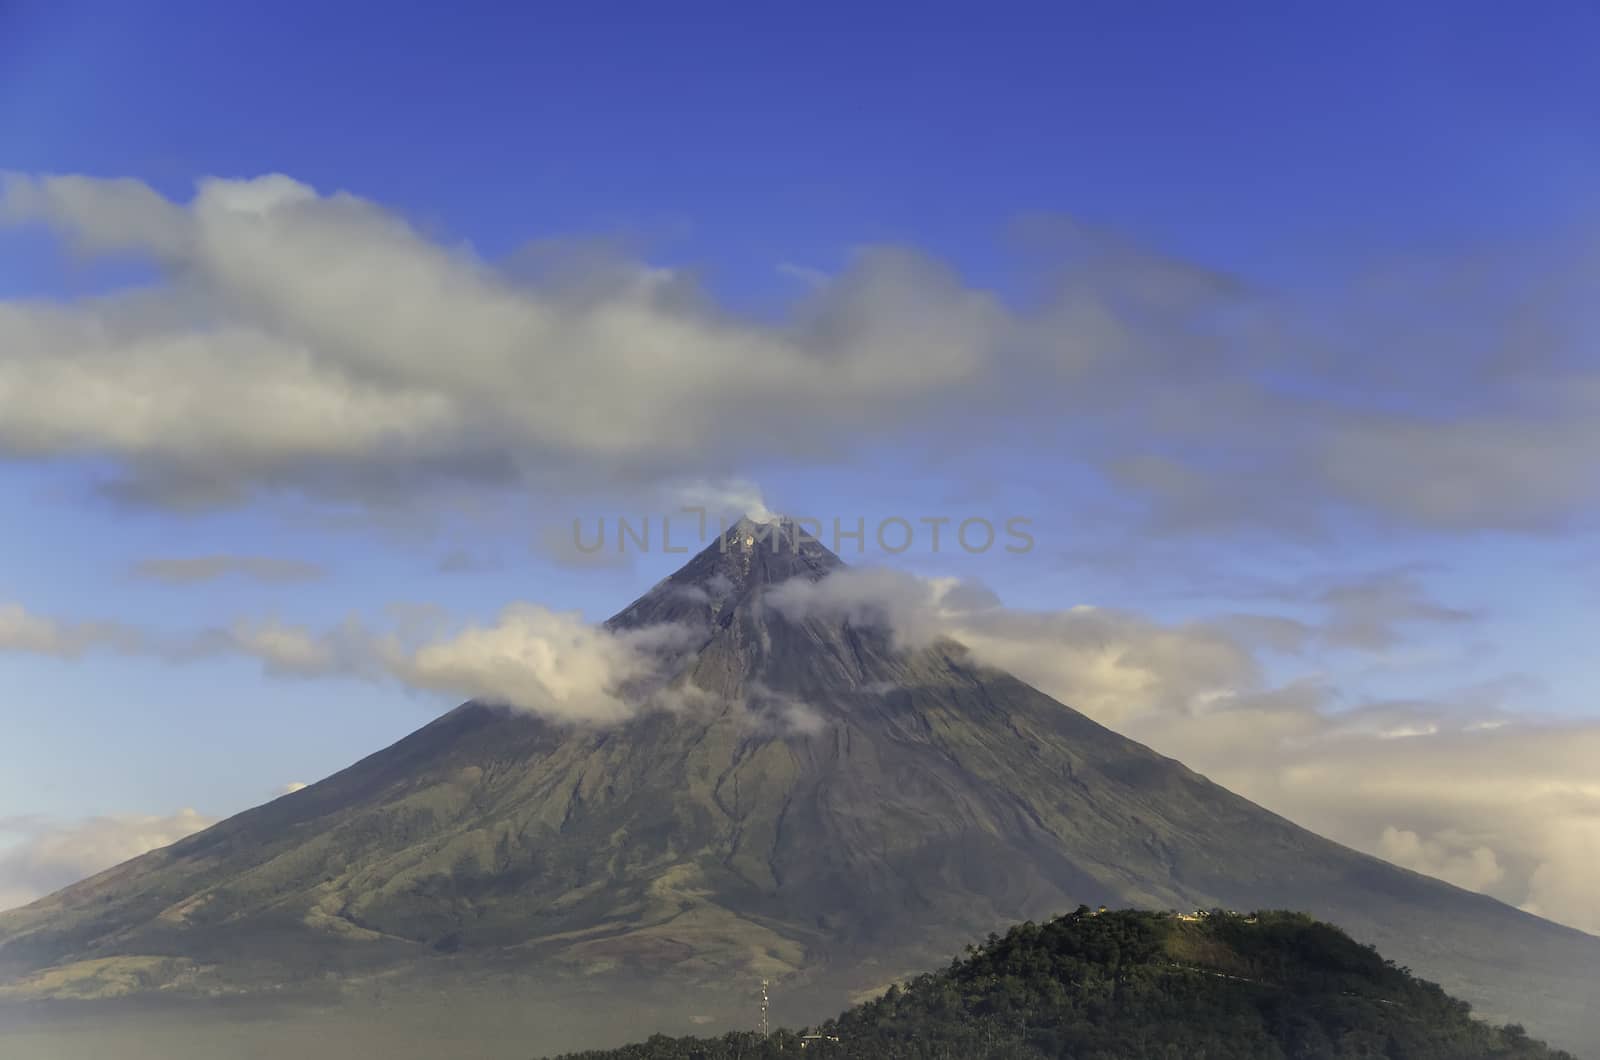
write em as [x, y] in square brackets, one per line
[1447, 856]
[291, 650]
[47, 855]
[546, 662]
[531, 658]
[1107, 663]
[320, 343]
[1563, 884]
[723, 501]
[551, 663]
[782, 712]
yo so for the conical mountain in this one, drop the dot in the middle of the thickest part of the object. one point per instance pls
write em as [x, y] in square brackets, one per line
[802, 800]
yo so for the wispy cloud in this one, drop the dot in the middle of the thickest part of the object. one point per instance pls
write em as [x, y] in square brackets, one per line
[1457, 785]
[22, 630]
[531, 658]
[190, 569]
[805, 274]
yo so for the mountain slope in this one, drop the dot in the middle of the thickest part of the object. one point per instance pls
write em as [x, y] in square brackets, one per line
[816, 805]
[1135, 985]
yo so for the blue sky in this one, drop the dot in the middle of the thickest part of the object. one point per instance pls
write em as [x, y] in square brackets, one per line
[1341, 252]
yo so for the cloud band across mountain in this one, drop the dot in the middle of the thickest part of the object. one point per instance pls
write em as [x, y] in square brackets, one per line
[1455, 787]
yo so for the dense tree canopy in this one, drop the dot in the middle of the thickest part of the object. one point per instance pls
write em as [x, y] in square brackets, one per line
[1144, 986]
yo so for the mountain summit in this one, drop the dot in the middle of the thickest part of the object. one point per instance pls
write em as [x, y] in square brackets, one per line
[816, 805]
[743, 561]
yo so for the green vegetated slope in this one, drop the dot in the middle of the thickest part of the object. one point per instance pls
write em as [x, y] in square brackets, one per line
[1145, 986]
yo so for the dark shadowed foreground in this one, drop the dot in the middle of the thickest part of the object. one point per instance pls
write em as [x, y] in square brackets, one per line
[1144, 986]
[474, 1020]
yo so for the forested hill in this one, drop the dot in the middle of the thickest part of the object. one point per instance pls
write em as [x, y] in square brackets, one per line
[1145, 986]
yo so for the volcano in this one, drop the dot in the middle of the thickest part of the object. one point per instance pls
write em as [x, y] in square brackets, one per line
[799, 799]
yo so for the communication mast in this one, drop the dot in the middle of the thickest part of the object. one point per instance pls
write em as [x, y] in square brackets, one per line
[764, 1030]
